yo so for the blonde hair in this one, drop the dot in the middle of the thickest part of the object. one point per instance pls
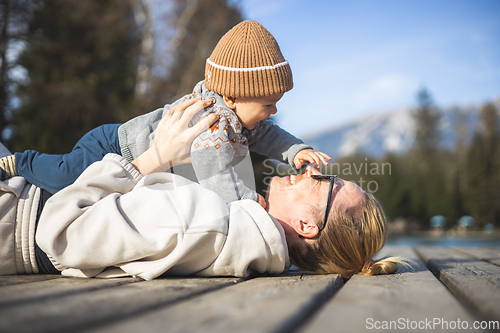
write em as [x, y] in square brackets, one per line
[349, 240]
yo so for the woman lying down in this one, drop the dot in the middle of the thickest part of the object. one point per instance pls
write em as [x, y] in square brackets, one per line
[134, 219]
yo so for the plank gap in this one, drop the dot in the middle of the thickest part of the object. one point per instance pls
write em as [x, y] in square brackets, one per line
[306, 314]
[474, 282]
[491, 255]
[103, 322]
[53, 289]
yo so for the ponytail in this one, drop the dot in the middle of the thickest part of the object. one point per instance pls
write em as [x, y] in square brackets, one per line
[386, 265]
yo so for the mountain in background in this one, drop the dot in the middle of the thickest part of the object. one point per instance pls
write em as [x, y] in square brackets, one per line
[377, 134]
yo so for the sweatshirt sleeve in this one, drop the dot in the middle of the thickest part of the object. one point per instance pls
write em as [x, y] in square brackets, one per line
[271, 140]
[83, 225]
[214, 155]
[108, 221]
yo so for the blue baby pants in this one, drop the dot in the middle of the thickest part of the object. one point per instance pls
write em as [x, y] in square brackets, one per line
[55, 172]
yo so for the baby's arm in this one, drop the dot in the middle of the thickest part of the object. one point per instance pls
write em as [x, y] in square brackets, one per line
[273, 141]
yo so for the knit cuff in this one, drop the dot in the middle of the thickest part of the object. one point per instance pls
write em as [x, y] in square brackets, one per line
[125, 164]
[293, 150]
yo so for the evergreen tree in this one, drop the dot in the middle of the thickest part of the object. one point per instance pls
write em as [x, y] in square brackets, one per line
[459, 172]
[81, 63]
[393, 191]
[483, 165]
[429, 182]
[14, 19]
[426, 118]
[197, 26]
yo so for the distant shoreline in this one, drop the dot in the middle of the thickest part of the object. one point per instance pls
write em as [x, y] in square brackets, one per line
[427, 238]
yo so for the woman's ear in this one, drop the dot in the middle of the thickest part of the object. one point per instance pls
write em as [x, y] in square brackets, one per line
[230, 102]
[305, 228]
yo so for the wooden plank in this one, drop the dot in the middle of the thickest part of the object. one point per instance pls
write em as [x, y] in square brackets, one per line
[397, 302]
[491, 255]
[265, 304]
[475, 282]
[70, 312]
[50, 289]
[7, 280]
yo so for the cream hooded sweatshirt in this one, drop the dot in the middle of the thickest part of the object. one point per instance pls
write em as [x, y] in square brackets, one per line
[114, 222]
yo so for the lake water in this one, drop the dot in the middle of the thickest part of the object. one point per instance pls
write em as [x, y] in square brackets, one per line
[467, 241]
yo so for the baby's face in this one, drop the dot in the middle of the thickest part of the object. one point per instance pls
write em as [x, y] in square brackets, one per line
[251, 110]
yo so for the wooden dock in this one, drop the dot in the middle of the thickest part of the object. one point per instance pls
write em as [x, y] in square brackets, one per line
[447, 289]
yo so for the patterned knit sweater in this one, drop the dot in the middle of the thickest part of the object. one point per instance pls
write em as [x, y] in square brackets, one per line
[220, 158]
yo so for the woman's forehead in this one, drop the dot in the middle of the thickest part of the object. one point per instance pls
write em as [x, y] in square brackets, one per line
[349, 195]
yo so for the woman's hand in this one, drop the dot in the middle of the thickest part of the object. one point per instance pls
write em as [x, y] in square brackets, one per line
[172, 143]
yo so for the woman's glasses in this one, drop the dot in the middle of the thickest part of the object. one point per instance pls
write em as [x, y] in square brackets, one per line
[328, 203]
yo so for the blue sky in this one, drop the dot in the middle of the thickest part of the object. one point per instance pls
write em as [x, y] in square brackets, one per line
[353, 58]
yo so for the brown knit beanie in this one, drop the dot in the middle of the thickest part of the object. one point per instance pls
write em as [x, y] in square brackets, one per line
[247, 62]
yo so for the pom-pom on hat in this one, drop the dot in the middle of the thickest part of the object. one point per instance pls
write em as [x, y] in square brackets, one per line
[247, 62]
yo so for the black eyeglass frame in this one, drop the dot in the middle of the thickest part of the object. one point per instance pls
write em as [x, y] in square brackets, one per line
[328, 203]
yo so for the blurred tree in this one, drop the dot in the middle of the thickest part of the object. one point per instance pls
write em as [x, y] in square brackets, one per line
[393, 191]
[482, 192]
[144, 19]
[426, 118]
[423, 162]
[193, 28]
[81, 61]
[14, 21]
[459, 171]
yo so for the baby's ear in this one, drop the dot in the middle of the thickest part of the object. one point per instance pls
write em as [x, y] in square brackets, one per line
[230, 102]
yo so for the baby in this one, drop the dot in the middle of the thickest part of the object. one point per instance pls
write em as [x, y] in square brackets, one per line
[245, 76]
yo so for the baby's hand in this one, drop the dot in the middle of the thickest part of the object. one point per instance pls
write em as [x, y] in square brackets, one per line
[261, 201]
[311, 156]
